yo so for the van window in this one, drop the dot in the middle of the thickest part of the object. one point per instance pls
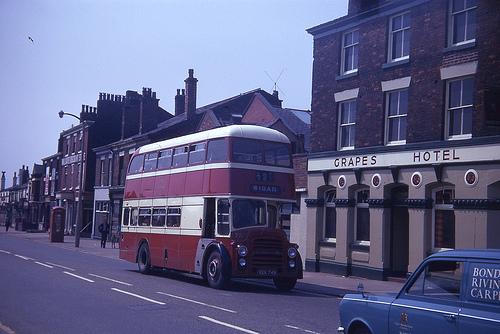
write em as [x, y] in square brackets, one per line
[439, 279]
[483, 283]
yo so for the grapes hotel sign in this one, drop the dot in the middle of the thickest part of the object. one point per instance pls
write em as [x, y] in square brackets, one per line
[407, 158]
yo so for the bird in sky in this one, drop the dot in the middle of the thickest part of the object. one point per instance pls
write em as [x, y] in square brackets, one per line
[31, 39]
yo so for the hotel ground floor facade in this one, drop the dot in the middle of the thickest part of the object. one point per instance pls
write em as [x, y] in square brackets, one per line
[378, 212]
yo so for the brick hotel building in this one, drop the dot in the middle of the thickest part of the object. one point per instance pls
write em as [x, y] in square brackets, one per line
[405, 138]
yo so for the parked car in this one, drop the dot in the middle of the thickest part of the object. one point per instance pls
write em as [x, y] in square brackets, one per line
[454, 291]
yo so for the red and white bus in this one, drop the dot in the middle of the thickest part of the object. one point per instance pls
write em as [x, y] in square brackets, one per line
[210, 203]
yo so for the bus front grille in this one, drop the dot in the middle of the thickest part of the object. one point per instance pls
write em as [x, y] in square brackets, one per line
[267, 253]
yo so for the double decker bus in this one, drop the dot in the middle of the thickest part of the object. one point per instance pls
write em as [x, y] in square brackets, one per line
[210, 203]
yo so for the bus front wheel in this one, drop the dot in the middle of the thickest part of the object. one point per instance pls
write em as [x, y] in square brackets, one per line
[217, 276]
[285, 284]
[144, 259]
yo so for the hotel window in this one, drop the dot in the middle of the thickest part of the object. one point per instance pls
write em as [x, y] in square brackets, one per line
[396, 111]
[103, 171]
[330, 232]
[459, 106]
[350, 47]
[362, 218]
[347, 124]
[462, 21]
[399, 37]
[444, 218]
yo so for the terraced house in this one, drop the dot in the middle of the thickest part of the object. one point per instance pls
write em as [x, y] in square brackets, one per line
[405, 138]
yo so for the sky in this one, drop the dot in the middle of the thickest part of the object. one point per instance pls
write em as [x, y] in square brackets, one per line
[80, 48]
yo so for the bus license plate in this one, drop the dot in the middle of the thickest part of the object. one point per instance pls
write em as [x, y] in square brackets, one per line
[266, 272]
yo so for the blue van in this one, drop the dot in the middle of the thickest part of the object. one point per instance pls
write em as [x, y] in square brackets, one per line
[455, 291]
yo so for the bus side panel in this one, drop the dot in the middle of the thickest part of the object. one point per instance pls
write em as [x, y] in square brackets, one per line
[176, 186]
[168, 241]
[128, 247]
[161, 186]
[194, 183]
[188, 252]
[132, 189]
[216, 181]
[147, 187]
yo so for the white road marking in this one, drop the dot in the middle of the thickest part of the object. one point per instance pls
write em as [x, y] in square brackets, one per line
[138, 296]
[301, 329]
[4, 251]
[110, 279]
[244, 330]
[80, 277]
[197, 302]
[6, 329]
[58, 265]
[43, 264]
[23, 257]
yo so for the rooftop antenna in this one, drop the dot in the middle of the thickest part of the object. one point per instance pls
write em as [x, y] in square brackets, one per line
[275, 82]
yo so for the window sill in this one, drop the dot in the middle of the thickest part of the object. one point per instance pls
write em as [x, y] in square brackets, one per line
[459, 47]
[460, 137]
[360, 246]
[328, 243]
[396, 63]
[346, 75]
[350, 148]
[396, 143]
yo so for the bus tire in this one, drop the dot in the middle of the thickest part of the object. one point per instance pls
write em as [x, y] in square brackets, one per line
[285, 284]
[216, 271]
[144, 259]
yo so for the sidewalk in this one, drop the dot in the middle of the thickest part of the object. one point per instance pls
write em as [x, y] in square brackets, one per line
[313, 282]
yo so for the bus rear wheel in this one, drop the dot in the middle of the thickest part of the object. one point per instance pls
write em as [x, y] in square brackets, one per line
[144, 259]
[216, 272]
[285, 284]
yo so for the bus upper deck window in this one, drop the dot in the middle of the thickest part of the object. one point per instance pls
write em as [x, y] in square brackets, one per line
[180, 157]
[217, 150]
[164, 159]
[136, 164]
[197, 153]
[247, 150]
[277, 154]
[150, 161]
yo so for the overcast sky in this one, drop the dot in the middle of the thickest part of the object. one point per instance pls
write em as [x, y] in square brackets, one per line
[81, 48]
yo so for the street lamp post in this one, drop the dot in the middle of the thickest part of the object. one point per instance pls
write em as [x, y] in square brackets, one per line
[80, 185]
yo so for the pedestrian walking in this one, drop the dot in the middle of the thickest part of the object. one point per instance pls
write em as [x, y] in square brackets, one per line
[8, 220]
[104, 229]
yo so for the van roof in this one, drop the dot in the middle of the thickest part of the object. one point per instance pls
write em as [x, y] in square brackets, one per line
[490, 254]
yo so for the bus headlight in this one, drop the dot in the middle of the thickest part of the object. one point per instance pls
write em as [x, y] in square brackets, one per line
[291, 263]
[242, 262]
[292, 252]
[242, 251]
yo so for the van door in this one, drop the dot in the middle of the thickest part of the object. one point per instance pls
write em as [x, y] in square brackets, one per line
[430, 303]
[480, 312]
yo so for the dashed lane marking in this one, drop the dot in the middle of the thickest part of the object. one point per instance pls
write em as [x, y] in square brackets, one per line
[110, 279]
[244, 330]
[80, 277]
[23, 257]
[59, 266]
[138, 296]
[301, 329]
[43, 264]
[197, 302]
[6, 330]
[5, 252]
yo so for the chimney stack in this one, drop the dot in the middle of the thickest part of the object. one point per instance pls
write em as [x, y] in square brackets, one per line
[278, 101]
[14, 180]
[179, 102]
[2, 182]
[190, 97]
